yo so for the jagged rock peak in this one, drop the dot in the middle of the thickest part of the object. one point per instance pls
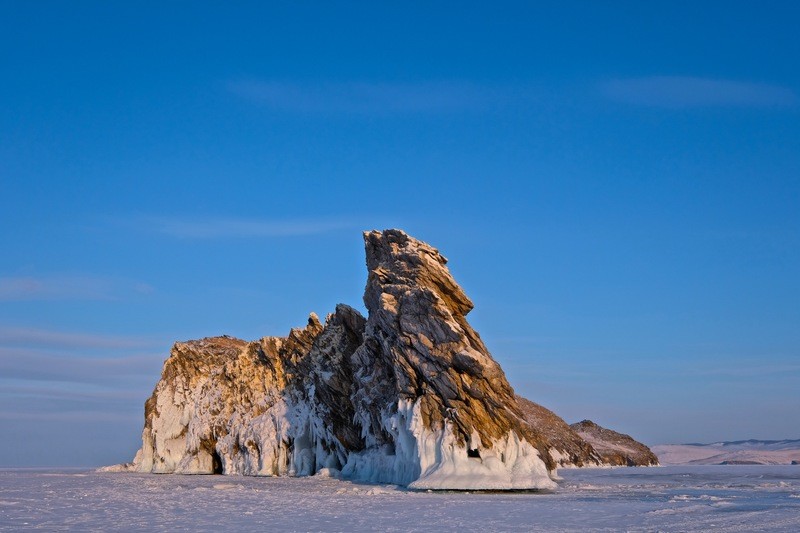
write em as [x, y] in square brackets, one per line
[394, 258]
[417, 313]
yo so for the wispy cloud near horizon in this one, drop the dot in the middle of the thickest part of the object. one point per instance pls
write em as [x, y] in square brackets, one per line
[364, 97]
[688, 91]
[39, 288]
[221, 227]
[66, 287]
[27, 336]
[45, 366]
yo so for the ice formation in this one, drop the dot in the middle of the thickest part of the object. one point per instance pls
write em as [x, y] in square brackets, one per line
[409, 395]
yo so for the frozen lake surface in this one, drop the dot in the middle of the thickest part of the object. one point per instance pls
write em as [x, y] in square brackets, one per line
[676, 498]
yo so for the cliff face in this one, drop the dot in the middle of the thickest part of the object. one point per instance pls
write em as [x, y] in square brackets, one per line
[409, 395]
[417, 327]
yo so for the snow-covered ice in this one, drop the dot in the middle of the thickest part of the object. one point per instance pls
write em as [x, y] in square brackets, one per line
[685, 498]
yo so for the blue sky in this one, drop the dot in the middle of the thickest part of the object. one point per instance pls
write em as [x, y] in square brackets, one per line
[616, 185]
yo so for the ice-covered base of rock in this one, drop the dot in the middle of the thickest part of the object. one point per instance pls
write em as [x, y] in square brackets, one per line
[420, 458]
[434, 460]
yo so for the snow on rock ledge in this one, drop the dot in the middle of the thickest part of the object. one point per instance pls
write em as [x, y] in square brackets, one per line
[409, 395]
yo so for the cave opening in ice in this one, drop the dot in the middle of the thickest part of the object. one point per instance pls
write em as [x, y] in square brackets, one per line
[216, 463]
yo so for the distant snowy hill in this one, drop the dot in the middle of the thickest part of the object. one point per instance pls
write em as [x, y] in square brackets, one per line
[763, 452]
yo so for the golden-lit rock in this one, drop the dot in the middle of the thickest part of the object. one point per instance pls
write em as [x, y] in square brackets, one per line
[409, 395]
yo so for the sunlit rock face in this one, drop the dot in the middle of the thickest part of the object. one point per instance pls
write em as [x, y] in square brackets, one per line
[409, 395]
[467, 429]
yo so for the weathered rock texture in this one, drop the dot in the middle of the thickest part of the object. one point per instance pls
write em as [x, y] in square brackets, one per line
[566, 447]
[616, 449]
[409, 395]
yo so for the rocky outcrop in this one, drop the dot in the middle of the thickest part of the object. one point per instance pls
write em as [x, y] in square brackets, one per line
[417, 327]
[566, 447]
[616, 449]
[408, 395]
[228, 406]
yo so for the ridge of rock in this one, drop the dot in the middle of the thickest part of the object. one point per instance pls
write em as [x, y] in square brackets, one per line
[408, 395]
[566, 447]
[616, 449]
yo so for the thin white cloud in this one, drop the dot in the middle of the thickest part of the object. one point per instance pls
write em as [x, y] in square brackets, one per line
[82, 393]
[67, 287]
[687, 91]
[367, 98]
[101, 414]
[35, 337]
[36, 401]
[54, 288]
[211, 228]
[746, 369]
[524, 340]
[41, 365]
